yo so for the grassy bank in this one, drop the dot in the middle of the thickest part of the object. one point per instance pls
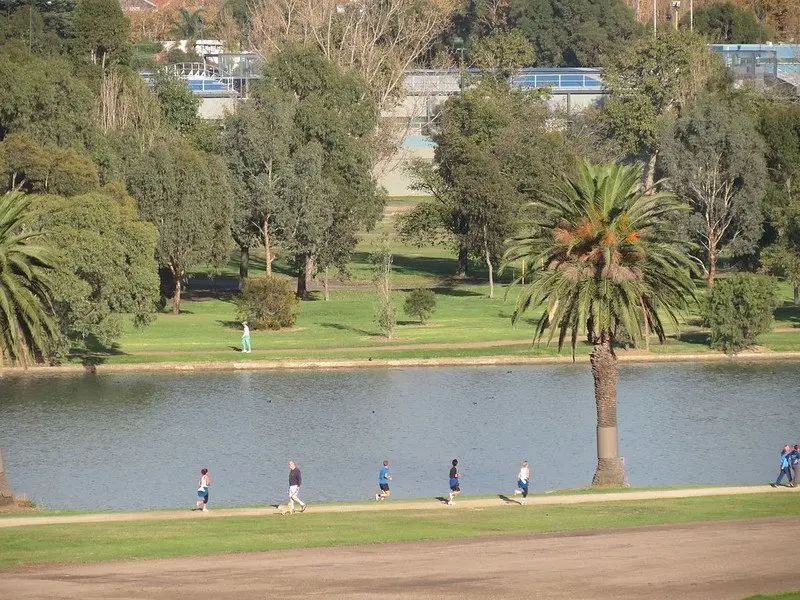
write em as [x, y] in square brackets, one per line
[95, 542]
[466, 323]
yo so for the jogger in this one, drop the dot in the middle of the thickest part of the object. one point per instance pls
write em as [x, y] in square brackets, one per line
[384, 478]
[523, 481]
[202, 490]
[455, 482]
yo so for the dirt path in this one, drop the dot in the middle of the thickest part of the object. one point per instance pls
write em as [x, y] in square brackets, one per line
[433, 504]
[700, 561]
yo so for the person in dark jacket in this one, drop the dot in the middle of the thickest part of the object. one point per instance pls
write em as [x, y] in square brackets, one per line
[294, 487]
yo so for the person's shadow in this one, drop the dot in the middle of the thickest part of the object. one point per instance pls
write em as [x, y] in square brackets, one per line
[508, 500]
[442, 499]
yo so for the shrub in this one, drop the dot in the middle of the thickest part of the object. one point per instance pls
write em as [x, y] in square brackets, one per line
[268, 302]
[420, 303]
[739, 309]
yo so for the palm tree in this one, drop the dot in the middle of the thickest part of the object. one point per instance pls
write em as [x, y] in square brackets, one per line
[26, 323]
[189, 26]
[605, 266]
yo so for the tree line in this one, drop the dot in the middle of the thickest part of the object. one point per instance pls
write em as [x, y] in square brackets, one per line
[127, 190]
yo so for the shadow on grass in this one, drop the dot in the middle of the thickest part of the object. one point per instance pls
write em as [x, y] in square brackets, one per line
[442, 499]
[95, 353]
[341, 327]
[456, 292]
[508, 500]
[788, 312]
[702, 338]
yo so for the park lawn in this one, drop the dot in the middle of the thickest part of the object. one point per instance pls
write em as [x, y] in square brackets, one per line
[343, 328]
[98, 542]
[788, 596]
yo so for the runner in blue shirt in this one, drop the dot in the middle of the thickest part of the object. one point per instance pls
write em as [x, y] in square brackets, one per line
[384, 477]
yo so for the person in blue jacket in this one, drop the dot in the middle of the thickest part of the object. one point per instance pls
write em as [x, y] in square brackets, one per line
[786, 467]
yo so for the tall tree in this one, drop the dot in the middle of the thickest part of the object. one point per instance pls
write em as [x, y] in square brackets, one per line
[105, 267]
[714, 158]
[328, 193]
[726, 23]
[27, 327]
[650, 82]
[494, 150]
[102, 31]
[257, 140]
[43, 96]
[780, 127]
[185, 193]
[605, 266]
[564, 33]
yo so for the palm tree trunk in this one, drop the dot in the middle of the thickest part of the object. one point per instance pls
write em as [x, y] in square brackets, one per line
[610, 466]
[6, 496]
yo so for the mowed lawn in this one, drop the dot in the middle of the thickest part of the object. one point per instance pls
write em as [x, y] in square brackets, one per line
[466, 322]
[96, 542]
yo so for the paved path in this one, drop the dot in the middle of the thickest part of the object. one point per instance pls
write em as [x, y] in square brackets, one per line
[433, 504]
[698, 561]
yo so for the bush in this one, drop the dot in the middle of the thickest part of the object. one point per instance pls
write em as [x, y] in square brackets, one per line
[420, 303]
[268, 302]
[739, 309]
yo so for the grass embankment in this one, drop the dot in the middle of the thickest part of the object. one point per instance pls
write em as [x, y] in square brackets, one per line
[97, 542]
[466, 322]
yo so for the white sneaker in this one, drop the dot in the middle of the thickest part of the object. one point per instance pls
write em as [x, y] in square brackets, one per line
[450, 503]
[524, 502]
[205, 509]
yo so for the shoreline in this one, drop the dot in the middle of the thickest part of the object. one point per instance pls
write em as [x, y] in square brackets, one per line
[358, 363]
[414, 504]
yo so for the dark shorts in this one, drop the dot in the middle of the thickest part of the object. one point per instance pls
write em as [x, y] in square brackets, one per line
[455, 488]
[384, 487]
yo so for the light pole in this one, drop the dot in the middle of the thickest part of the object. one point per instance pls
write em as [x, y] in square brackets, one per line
[691, 15]
[676, 6]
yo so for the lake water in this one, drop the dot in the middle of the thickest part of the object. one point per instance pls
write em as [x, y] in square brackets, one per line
[131, 441]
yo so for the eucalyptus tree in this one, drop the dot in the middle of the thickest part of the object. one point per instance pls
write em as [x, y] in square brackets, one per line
[605, 267]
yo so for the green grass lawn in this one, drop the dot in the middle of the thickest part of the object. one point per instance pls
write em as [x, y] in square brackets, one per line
[95, 542]
[789, 596]
[344, 328]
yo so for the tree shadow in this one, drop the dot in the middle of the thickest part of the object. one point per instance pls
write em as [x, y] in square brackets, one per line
[788, 312]
[456, 292]
[420, 323]
[341, 327]
[508, 500]
[702, 338]
[95, 353]
[230, 324]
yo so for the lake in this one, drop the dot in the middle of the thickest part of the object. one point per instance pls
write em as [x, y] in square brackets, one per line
[134, 441]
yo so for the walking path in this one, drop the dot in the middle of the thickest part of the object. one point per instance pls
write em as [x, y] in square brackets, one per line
[433, 504]
[726, 560]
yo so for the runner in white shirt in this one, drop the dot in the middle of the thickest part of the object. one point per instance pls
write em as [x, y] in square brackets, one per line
[523, 481]
[202, 490]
